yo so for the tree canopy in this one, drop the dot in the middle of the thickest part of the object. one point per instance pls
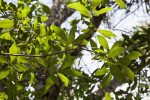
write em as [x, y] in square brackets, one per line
[37, 56]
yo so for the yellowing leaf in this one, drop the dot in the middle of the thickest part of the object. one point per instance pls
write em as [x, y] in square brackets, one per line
[43, 19]
[6, 23]
[64, 79]
[104, 10]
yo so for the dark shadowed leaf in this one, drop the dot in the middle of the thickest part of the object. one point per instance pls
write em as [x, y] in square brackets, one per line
[133, 55]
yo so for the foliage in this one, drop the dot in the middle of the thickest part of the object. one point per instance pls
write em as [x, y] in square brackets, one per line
[29, 52]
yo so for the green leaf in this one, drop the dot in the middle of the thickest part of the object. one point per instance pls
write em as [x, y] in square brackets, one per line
[80, 38]
[43, 19]
[13, 50]
[54, 78]
[101, 71]
[85, 13]
[64, 79]
[93, 44]
[115, 52]
[72, 34]
[99, 50]
[95, 3]
[23, 59]
[106, 80]
[42, 30]
[104, 10]
[3, 59]
[32, 78]
[133, 55]
[21, 67]
[116, 72]
[25, 11]
[128, 72]
[49, 83]
[6, 36]
[124, 61]
[107, 96]
[121, 4]
[6, 23]
[84, 42]
[103, 42]
[70, 72]
[4, 74]
[68, 61]
[107, 33]
[46, 9]
[60, 32]
[78, 6]
[117, 44]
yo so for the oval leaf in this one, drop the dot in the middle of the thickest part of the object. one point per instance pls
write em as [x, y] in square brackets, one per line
[128, 72]
[107, 33]
[70, 72]
[64, 79]
[103, 42]
[101, 71]
[95, 3]
[107, 96]
[4, 74]
[6, 23]
[133, 55]
[121, 4]
[115, 52]
[104, 10]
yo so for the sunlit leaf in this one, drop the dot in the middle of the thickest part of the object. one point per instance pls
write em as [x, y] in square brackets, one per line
[107, 96]
[23, 59]
[42, 30]
[6, 23]
[4, 74]
[84, 42]
[121, 4]
[78, 6]
[32, 78]
[13, 50]
[43, 19]
[133, 55]
[104, 10]
[95, 3]
[64, 79]
[103, 42]
[107, 33]
[3, 59]
[99, 50]
[101, 71]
